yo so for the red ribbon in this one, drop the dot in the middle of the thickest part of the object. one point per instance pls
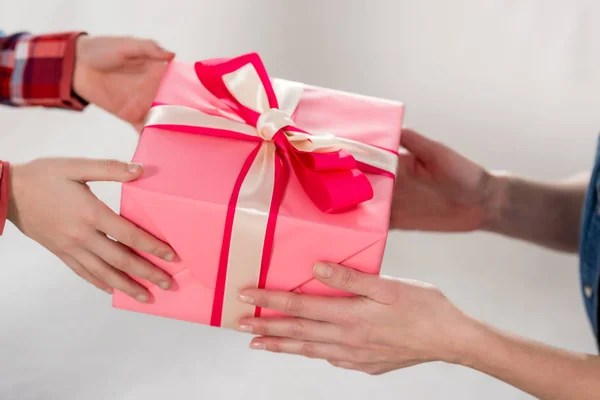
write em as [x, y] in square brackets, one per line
[331, 180]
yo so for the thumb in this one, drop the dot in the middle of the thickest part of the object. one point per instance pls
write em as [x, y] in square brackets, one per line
[351, 281]
[89, 170]
[424, 149]
[147, 49]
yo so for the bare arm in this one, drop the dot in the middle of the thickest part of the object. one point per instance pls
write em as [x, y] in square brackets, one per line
[545, 372]
[438, 189]
[397, 323]
[547, 214]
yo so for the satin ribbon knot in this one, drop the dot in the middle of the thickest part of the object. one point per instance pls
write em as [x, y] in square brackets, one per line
[271, 122]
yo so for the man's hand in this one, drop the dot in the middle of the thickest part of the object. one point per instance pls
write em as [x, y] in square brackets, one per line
[438, 189]
[119, 74]
[391, 324]
[51, 203]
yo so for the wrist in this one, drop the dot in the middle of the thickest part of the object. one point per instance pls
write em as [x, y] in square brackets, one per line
[4, 193]
[80, 72]
[468, 341]
[496, 200]
[13, 188]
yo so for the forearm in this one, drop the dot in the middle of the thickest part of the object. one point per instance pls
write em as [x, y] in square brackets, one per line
[541, 213]
[545, 372]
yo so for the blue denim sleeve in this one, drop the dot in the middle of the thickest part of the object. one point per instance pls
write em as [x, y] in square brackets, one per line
[589, 252]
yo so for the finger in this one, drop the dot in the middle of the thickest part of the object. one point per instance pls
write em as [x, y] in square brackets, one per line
[306, 306]
[346, 365]
[352, 281]
[369, 368]
[138, 126]
[131, 236]
[325, 351]
[423, 148]
[88, 170]
[293, 328]
[113, 278]
[146, 48]
[85, 274]
[121, 258]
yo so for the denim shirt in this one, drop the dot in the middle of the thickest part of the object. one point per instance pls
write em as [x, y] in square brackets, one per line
[590, 246]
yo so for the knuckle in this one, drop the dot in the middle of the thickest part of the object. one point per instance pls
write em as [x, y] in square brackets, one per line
[77, 234]
[309, 350]
[338, 364]
[90, 215]
[78, 273]
[273, 347]
[370, 356]
[358, 356]
[296, 329]
[388, 293]
[124, 264]
[373, 371]
[131, 239]
[113, 166]
[154, 274]
[294, 306]
[152, 248]
[347, 278]
[128, 287]
[63, 254]
[381, 357]
[263, 329]
[345, 314]
[354, 338]
[102, 274]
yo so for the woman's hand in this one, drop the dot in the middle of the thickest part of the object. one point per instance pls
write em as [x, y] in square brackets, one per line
[51, 203]
[438, 189]
[391, 324]
[119, 74]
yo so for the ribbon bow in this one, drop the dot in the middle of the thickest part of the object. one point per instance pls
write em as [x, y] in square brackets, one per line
[329, 168]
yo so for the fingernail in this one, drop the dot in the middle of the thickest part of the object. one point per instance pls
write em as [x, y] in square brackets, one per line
[258, 346]
[169, 257]
[134, 167]
[142, 298]
[323, 270]
[244, 298]
[246, 328]
[164, 285]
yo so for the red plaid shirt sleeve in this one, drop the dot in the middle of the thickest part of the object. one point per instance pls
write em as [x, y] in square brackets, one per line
[35, 71]
[4, 181]
[38, 70]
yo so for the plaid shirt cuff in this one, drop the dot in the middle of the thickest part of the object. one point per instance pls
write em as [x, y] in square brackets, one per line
[4, 183]
[38, 70]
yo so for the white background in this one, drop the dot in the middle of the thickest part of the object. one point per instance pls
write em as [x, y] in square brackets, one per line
[512, 84]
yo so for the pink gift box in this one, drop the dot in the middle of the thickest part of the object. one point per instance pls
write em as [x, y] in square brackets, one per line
[185, 199]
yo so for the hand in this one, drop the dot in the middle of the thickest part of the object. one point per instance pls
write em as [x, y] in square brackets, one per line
[119, 74]
[438, 189]
[51, 203]
[391, 324]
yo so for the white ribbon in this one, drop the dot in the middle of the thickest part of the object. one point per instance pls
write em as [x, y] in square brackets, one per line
[270, 123]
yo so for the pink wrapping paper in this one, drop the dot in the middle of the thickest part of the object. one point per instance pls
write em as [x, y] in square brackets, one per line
[184, 194]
